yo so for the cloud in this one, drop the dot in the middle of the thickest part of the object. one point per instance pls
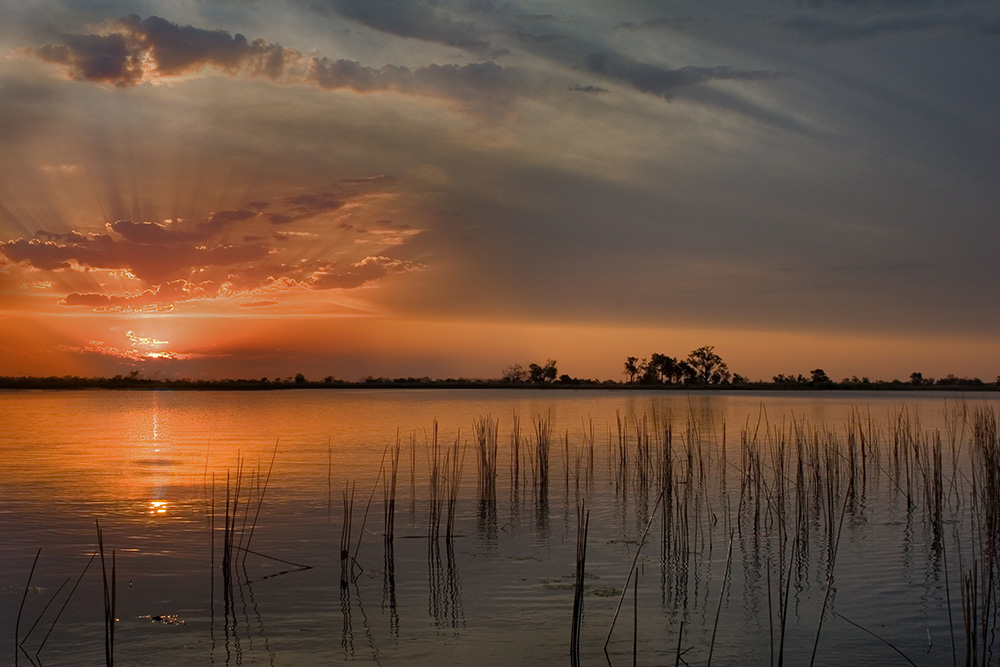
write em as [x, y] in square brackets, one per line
[659, 23]
[365, 272]
[179, 261]
[663, 81]
[133, 50]
[414, 19]
[158, 299]
[150, 261]
[821, 28]
[130, 354]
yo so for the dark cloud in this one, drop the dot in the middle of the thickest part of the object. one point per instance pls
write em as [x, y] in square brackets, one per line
[547, 38]
[415, 19]
[488, 81]
[588, 89]
[139, 50]
[151, 261]
[664, 81]
[314, 203]
[222, 219]
[113, 58]
[824, 28]
[370, 180]
[659, 23]
[148, 232]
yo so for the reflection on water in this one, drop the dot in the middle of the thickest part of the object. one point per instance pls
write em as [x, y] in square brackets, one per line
[856, 527]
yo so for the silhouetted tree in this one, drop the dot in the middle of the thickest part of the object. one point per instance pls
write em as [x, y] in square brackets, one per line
[664, 369]
[536, 373]
[543, 374]
[708, 367]
[300, 378]
[631, 368]
[819, 376]
[513, 373]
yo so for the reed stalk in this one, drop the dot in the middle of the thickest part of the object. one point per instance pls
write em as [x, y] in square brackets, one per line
[722, 597]
[582, 525]
[345, 535]
[389, 490]
[485, 430]
[110, 598]
[20, 610]
[631, 570]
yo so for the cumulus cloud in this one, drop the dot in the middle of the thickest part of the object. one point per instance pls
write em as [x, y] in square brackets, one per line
[133, 50]
[664, 81]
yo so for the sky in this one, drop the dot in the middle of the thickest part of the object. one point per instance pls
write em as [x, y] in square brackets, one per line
[241, 188]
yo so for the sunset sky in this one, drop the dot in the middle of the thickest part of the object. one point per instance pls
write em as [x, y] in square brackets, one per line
[405, 188]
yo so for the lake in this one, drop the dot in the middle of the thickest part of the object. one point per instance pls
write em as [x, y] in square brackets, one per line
[749, 527]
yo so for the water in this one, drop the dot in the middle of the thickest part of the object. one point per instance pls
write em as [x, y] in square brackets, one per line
[151, 466]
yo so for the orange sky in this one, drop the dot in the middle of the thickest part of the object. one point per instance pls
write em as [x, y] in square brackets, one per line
[222, 192]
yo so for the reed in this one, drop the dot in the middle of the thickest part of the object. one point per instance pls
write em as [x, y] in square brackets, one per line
[435, 485]
[515, 455]
[345, 535]
[582, 526]
[485, 430]
[63, 607]
[455, 461]
[542, 447]
[389, 494]
[722, 597]
[260, 502]
[631, 570]
[110, 599]
[20, 610]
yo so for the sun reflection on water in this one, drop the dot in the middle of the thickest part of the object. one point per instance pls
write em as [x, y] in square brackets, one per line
[157, 507]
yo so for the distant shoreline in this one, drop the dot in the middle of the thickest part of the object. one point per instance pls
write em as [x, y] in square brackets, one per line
[119, 383]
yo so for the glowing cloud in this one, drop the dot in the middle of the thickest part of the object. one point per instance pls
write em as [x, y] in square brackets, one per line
[178, 261]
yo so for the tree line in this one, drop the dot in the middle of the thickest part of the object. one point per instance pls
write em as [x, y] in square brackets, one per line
[703, 365]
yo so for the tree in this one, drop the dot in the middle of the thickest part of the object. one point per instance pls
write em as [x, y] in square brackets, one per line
[536, 374]
[543, 374]
[300, 378]
[549, 372]
[708, 367]
[819, 376]
[631, 369]
[513, 373]
[662, 368]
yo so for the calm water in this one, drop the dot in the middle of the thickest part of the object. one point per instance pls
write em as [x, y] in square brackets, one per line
[151, 467]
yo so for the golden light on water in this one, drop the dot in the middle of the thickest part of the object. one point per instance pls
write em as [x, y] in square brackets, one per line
[157, 507]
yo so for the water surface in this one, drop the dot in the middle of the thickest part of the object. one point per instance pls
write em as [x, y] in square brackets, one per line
[152, 466]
